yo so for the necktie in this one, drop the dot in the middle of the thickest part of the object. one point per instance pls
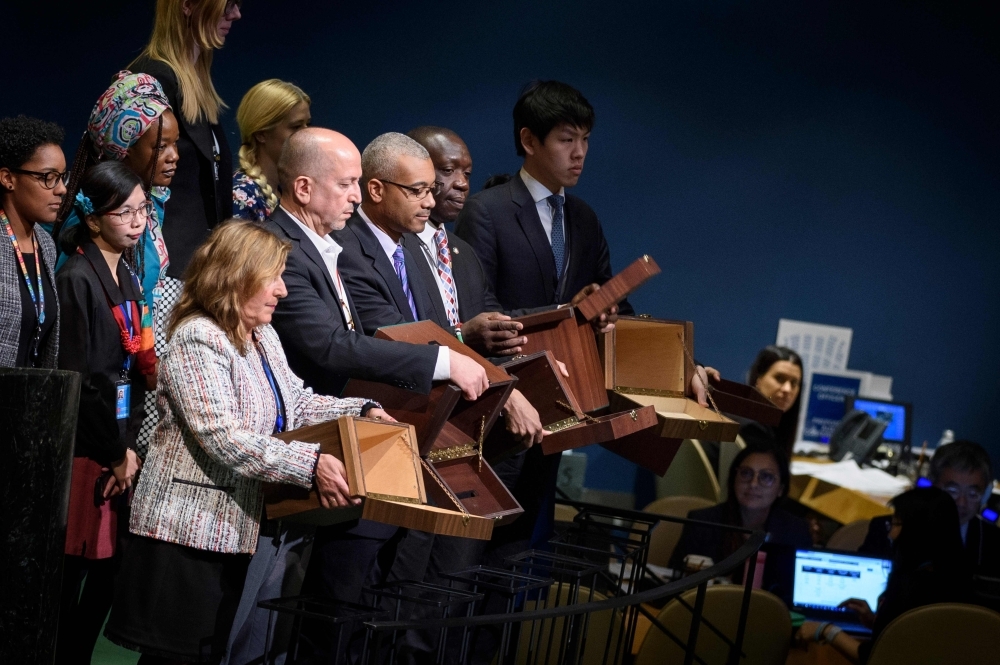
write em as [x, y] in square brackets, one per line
[444, 272]
[399, 263]
[558, 239]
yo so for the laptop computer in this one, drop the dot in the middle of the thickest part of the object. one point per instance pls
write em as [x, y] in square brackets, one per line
[823, 579]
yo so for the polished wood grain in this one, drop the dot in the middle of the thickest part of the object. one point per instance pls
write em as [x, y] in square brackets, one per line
[428, 332]
[680, 417]
[649, 354]
[618, 288]
[603, 429]
[647, 449]
[571, 340]
[745, 401]
[479, 490]
[430, 519]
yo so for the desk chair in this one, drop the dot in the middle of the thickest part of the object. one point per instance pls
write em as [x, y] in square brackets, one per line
[728, 450]
[666, 534]
[690, 474]
[849, 537]
[539, 644]
[941, 633]
[766, 641]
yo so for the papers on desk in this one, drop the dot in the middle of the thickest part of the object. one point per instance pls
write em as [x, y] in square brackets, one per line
[848, 474]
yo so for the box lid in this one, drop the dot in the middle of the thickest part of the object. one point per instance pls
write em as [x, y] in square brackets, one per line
[745, 401]
[643, 355]
[618, 287]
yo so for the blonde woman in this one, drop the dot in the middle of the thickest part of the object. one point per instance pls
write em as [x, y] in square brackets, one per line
[186, 34]
[270, 112]
[225, 389]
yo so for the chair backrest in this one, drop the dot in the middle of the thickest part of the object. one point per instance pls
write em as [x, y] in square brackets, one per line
[849, 537]
[540, 643]
[665, 535]
[690, 474]
[765, 641]
[941, 633]
[728, 450]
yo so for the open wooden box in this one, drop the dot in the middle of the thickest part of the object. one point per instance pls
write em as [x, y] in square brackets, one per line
[645, 364]
[745, 401]
[544, 386]
[383, 467]
[450, 430]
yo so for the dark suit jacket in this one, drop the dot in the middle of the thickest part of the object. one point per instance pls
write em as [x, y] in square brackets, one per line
[198, 200]
[982, 544]
[374, 286]
[311, 324]
[502, 225]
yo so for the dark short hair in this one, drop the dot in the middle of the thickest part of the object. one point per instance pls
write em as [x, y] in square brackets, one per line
[496, 179]
[108, 185]
[966, 456]
[20, 137]
[543, 105]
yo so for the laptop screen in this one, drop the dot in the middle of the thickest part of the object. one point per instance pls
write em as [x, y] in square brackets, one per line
[823, 580]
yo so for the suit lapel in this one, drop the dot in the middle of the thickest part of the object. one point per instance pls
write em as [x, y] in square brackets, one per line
[373, 251]
[293, 231]
[415, 249]
[531, 225]
[461, 270]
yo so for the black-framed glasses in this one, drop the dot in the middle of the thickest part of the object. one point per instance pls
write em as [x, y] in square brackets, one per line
[47, 178]
[127, 216]
[413, 193]
[764, 477]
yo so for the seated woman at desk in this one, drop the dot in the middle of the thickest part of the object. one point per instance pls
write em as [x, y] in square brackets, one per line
[758, 478]
[928, 566]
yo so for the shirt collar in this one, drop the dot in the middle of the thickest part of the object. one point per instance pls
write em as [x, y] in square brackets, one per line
[388, 244]
[427, 235]
[538, 191]
[325, 244]
[118, 293]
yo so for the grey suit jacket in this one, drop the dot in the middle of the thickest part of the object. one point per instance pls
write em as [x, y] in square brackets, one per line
[10, 302]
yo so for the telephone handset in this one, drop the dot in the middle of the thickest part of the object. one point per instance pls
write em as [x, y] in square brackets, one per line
[856, 437]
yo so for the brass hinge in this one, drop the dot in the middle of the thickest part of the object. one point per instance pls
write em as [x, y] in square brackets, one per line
[454, 452]
[560, 425]
[653, 392]
[390, 497]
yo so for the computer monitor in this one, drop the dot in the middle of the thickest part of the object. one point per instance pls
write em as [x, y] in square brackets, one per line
[824, 579]
[896, 416]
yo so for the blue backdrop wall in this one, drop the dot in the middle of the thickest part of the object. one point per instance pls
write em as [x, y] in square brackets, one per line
[821, 161]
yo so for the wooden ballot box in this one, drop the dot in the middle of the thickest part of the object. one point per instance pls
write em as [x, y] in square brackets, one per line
[383, 467]
[745, 401]
[650, 362]
[451, 430]
[545, 387]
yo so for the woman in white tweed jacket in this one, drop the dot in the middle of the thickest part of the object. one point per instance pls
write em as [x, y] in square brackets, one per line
[224, 388]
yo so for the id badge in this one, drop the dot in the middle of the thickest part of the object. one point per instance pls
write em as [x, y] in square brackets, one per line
[123, 395]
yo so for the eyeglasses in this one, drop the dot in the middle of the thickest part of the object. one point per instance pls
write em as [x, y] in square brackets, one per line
[47, 178]
[413, 193]
[127, 216]
[765, 478]
[971, 494]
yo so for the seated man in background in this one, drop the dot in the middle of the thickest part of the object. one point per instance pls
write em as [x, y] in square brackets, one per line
[758, 478]
[963, 470]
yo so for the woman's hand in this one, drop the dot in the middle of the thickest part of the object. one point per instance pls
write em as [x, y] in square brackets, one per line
[124, 471]
[331, 483]
[863, 609]
[806, 633]
[379, 414]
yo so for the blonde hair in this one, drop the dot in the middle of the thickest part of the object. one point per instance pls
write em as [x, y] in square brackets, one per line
[262, 108]
[174, 38]
[228, 269]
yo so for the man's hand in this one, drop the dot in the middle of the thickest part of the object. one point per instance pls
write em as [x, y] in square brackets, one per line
[699, 382]
[863, 610]
[522, 419]
[606, 321]
[468, 375]
[494, 333]
[331, 483]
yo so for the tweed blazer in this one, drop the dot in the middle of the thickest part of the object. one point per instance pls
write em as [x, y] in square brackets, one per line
[10, 302]
[201, 483]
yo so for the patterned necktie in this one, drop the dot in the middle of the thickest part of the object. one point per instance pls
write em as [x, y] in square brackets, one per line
[399, 263]
[558, 239]
[444, 272]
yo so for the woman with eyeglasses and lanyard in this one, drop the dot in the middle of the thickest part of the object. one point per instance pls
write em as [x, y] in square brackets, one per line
[32, 186]
[186, 34]
[758, 478]
[102, 338]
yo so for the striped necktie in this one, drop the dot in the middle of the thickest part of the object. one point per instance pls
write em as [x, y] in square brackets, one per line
[444, 272]
[399, 263]
[558, 239]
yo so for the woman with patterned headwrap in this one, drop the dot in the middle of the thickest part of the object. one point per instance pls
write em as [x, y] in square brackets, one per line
[133, 123]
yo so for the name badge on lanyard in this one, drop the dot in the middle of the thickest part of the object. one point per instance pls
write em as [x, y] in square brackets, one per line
[123, 399]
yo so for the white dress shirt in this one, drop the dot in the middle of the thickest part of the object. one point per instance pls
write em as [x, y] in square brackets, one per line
[442, 370]
[430, 250]
[540, 193]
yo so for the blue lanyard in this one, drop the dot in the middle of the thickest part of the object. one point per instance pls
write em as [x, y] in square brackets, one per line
[279, 422]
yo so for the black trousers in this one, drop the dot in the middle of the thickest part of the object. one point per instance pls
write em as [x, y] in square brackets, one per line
[83, 611]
